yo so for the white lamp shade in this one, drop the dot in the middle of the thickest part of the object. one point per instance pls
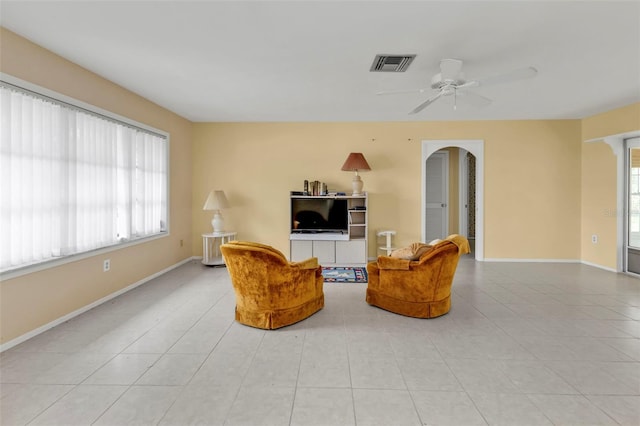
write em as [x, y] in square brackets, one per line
[216, 201]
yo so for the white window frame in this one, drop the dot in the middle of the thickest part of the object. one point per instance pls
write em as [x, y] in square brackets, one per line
[51, 263]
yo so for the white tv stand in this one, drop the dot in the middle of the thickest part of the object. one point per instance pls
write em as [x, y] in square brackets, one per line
[335, 248]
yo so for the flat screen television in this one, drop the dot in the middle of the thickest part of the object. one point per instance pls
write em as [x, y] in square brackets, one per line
[316, 215]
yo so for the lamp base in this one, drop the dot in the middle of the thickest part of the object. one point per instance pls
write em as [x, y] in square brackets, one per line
[217, 222]
[356, 185]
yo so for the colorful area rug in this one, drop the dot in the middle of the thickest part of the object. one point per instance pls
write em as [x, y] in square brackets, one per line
[344, 274]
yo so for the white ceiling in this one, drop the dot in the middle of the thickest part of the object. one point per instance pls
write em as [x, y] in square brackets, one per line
[309, 61]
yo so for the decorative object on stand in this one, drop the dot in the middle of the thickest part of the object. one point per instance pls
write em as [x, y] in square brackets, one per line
[356, 161]
[344, 274]
[216, 201]
[388, 247]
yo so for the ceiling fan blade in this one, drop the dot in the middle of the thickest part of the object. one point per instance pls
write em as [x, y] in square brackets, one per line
[468, 84]
[450, 68]
[515, 75]
[396, 92]
[426, 103]
[473, 98]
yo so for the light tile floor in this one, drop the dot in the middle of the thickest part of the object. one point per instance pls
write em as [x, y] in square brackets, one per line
[524, 344]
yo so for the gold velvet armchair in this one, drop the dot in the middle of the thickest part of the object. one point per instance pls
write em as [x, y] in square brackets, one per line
[417, 288]
[272, 292]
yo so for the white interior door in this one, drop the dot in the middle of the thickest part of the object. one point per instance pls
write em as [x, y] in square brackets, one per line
[437, 196]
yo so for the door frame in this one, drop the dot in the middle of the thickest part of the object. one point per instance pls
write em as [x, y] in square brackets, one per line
[475, 147]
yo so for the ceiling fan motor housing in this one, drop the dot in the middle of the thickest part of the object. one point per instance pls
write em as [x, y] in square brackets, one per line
[438, 83]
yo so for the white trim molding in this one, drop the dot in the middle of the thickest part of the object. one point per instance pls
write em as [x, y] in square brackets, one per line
[595, 265]
[11, 343]
[513, 260]
[583, 262]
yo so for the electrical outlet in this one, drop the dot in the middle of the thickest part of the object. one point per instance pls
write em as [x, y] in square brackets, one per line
[594, 239]
[106, 266]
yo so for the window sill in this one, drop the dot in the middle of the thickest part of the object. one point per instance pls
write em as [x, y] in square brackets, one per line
[48, 264]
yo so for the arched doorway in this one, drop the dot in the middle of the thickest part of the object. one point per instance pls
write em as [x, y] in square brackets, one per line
[476, 148]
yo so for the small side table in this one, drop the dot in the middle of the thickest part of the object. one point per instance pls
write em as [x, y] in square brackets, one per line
[388, 248]
[211, 243]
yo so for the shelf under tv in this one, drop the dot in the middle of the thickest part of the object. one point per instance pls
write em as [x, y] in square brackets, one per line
[324, 236]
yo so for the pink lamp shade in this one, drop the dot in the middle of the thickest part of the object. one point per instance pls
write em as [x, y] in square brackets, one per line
[356, 161]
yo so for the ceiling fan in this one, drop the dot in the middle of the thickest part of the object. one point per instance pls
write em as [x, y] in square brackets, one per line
[450, 81]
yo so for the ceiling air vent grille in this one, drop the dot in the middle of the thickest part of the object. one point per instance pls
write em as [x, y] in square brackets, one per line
[391, 63]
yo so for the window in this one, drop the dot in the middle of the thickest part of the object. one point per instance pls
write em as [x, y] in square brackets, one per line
[634, 197]
[73, 180]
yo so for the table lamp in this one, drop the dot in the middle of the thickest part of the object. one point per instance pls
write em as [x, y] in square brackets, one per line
[356, 161]
[216, 201]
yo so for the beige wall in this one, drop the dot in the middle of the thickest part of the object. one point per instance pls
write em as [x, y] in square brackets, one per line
[616, 121]
[532, 178]
[599, 214]
[599, 204]
[33, 300]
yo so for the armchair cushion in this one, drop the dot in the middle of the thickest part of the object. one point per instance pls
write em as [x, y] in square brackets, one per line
[412, 252]
[272, 292]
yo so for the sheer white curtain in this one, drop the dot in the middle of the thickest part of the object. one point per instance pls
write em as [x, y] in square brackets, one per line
[72, 181]
[150, 184]
[31, 175]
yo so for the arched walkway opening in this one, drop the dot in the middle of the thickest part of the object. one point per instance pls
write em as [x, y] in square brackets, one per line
[476, 148]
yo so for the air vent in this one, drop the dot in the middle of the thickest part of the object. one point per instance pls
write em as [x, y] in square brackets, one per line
[391, 63]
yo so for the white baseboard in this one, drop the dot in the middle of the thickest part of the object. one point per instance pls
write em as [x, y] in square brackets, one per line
[67, 317]
[584, 262]
[532, 260]
[595, 265]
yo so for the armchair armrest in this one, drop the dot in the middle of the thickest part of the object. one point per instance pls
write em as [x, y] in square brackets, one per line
[311, 263]
[386, 262]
